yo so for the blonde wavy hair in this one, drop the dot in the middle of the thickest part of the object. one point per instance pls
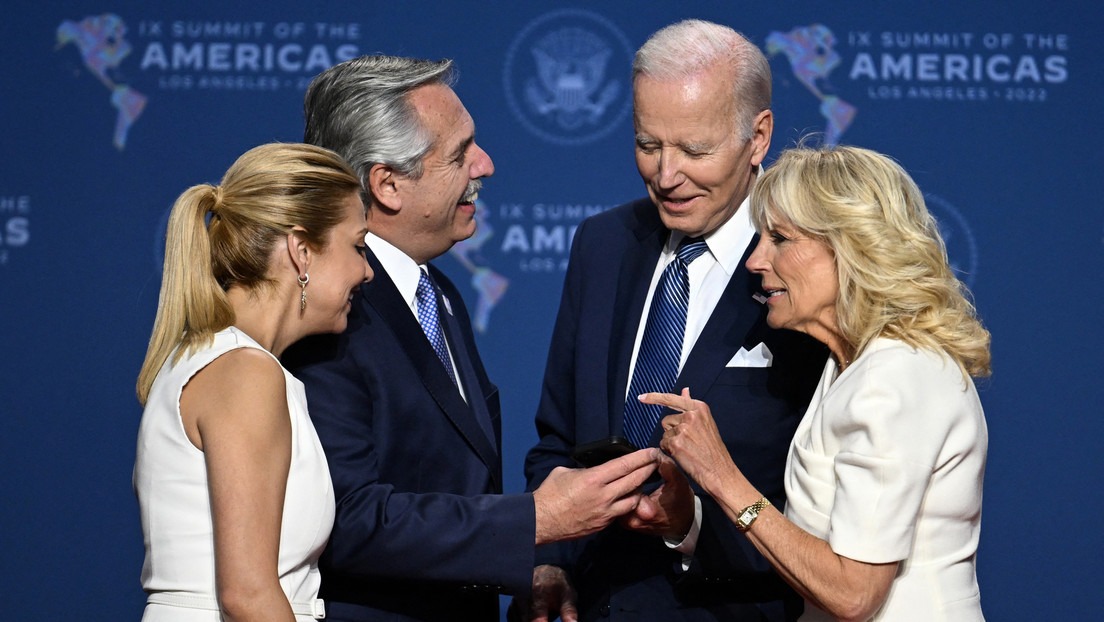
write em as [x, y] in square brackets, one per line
[894, 277]
[220, 236]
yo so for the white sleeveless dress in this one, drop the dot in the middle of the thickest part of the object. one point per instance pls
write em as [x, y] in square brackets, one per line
[170, 480]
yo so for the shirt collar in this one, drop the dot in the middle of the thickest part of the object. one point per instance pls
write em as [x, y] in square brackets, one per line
[400, 267]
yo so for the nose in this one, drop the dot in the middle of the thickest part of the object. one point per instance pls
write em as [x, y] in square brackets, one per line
[482, 166]
[757, 262]
[670, 173]
[368, 274]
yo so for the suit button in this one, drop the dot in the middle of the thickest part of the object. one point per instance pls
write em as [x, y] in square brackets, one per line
[604, 611]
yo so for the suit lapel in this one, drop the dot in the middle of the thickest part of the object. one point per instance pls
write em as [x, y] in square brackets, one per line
[735, 318]
[384, 297]
[635, 276]
[465, 372]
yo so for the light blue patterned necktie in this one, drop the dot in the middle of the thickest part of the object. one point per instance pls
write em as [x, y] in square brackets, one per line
[431, 322]
[657, 361]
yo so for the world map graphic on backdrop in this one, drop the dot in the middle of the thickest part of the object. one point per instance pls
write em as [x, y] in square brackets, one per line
[812, 56]
[172, 56]
[490, 286]
[102, 43]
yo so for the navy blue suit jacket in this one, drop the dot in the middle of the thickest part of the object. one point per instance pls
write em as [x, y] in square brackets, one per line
[422, 530]
[619, 573]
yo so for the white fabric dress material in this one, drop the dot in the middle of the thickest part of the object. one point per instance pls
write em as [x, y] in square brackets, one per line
[170, 479]
[887, 465]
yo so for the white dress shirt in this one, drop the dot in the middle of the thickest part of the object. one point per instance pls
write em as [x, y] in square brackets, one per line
[405, 273]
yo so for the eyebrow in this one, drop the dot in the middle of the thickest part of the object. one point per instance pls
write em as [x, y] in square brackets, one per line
[699, 147]
[703, 147]
[462, 147]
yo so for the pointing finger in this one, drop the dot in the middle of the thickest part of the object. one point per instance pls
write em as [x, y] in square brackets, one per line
[669, 400]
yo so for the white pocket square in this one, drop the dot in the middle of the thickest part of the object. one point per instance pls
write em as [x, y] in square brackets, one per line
[759, 356]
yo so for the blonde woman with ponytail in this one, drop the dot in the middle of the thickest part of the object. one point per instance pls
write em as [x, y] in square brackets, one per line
[884, 476]
[235, 495]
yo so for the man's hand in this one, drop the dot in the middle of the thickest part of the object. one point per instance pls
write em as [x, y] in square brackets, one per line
[552, 596]
[669, 510]
[572, 503]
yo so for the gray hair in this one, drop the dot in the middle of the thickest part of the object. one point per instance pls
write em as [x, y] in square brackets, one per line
[359, 109]
[682, 49]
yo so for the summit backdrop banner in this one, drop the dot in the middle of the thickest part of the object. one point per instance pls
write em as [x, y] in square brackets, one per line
[112, 107]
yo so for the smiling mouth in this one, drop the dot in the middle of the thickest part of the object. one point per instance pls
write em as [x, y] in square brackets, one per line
[674, 203]
[472, 192]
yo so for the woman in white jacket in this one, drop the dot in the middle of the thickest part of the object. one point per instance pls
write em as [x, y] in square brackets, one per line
[884, 475]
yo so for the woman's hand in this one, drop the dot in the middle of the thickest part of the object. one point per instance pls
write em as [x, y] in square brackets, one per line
[691, 437]
[845, 588]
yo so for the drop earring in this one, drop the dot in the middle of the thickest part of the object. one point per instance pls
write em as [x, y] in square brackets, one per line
[303, 280]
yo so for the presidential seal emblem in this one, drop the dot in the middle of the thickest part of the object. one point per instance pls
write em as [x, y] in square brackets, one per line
[566, 76]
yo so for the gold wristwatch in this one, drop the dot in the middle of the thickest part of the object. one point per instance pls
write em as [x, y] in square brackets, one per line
[750, 513]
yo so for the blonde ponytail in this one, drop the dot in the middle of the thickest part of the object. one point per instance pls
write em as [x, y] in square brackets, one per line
[222, 236]
[192, 306]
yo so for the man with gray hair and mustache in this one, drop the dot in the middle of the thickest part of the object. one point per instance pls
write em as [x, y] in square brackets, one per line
[403, 407]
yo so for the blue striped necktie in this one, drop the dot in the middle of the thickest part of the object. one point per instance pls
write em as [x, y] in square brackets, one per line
[657, 361]
[431, 322]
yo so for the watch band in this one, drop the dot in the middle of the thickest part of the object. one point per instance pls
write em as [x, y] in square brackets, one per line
[748, 515]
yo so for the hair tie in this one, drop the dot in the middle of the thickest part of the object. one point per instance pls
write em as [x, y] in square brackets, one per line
[216, 201]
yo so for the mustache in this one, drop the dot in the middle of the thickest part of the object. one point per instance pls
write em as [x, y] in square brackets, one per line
[474, 186]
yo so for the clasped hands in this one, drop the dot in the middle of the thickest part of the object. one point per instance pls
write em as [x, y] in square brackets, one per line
[692, 448]
[612, 491]
[690, 438]
[573, 503]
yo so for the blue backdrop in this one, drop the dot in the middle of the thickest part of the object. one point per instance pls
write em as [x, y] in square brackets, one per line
[110, 108]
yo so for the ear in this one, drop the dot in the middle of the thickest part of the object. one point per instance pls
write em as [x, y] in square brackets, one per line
[383, 186]
[761, 129]
[299, 252]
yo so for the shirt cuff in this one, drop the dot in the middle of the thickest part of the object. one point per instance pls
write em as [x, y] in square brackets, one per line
[690, 542]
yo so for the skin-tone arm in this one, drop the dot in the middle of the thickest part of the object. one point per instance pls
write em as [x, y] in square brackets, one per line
[845, 588]
[235, 411]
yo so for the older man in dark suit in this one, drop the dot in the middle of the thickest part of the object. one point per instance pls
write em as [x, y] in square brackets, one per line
[403, 406]
[657, 298]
